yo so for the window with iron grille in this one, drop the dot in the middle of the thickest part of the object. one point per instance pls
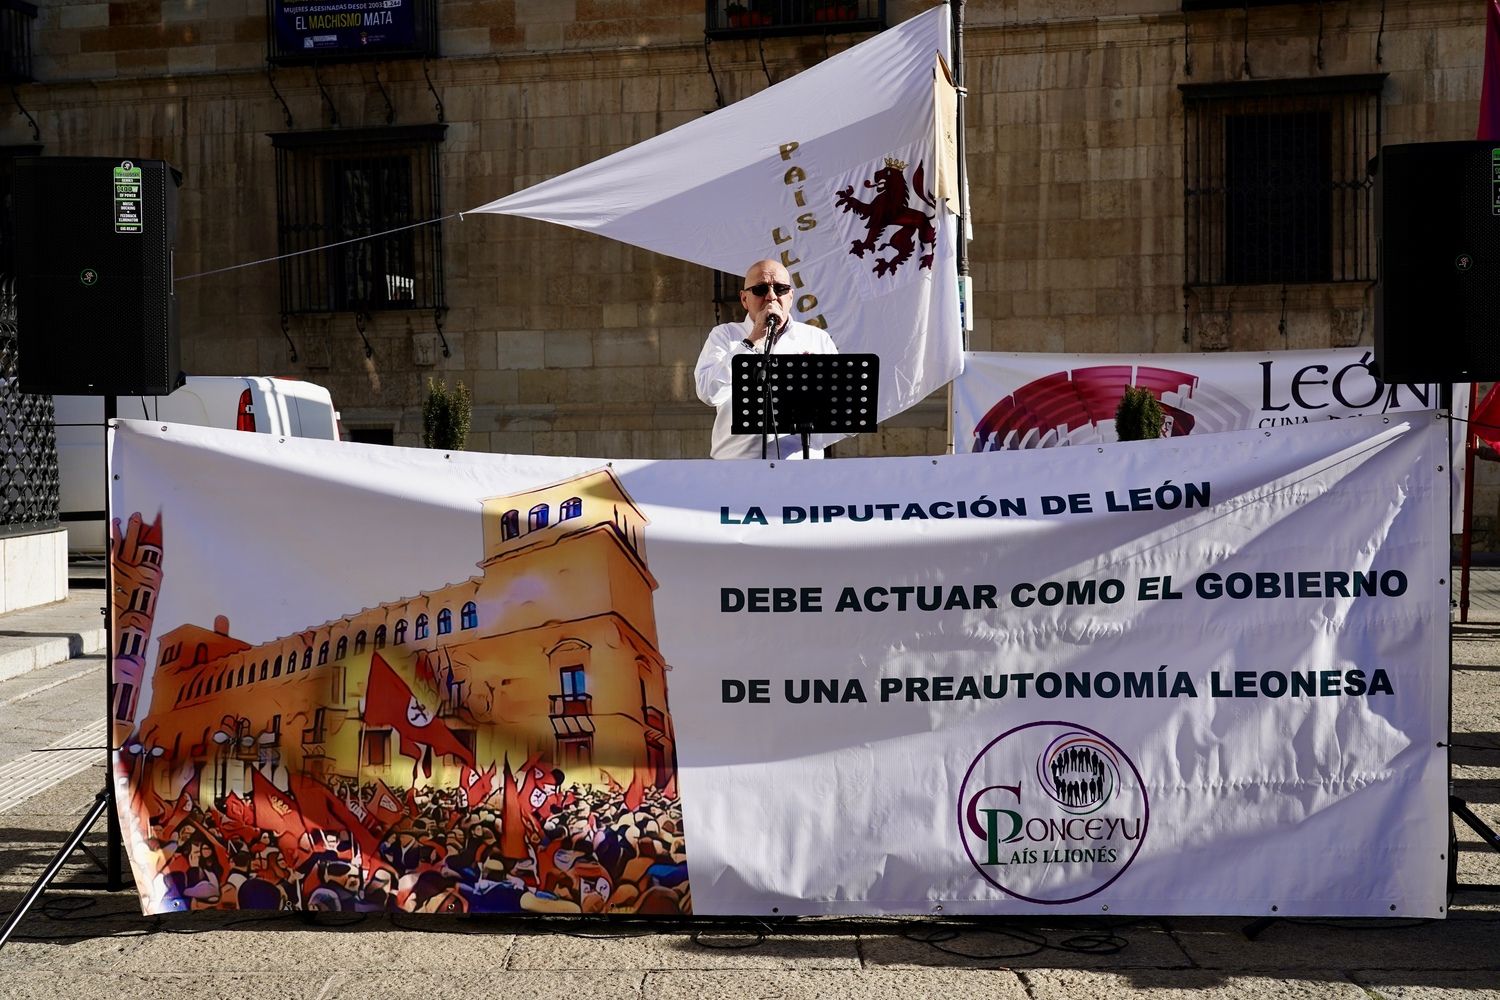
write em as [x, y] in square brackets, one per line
[727, 287]
[1277, 187]
[362, 193]
[16, 17]
[751, 18]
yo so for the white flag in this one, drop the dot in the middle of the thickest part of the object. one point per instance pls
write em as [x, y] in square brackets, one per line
[834, 172]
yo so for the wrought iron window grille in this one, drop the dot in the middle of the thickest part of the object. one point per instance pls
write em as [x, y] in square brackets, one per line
[364, 195]
[1276, 181]
[724, 19]
[16, 18]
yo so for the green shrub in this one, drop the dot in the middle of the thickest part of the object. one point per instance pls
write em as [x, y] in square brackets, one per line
[1139, 416]
[445, 416]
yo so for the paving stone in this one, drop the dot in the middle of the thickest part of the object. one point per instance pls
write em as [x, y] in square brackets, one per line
[1080, 984]
[859, 984]
[1432, 985]
[1027, 944]
[653, 950]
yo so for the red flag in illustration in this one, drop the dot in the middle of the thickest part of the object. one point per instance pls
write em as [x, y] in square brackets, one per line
[1489, 94]
[181, 810]
[610, 783]
[238, 809]
[636, 793]
[477, 787]
[323, 809]
[275, 810]
[512, 825]
[390, 702]
[238, 820]
[385, 806]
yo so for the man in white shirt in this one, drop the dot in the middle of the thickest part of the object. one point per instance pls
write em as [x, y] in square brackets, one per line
[766, 329]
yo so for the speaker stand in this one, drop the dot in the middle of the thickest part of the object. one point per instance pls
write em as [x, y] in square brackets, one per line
[104, 802]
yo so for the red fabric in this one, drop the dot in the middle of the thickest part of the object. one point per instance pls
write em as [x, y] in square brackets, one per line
[477, 787]
[1489, 94]
[387, 701]
[512, 825]
[275, 810]
[1485, 420]
[636, 793]
[385, 807]
[323, 809]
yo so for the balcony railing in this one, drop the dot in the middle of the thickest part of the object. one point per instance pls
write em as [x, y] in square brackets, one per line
[764, 18]
[571, 704]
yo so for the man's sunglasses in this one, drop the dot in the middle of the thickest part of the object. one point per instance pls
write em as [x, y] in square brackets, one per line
[762, 288]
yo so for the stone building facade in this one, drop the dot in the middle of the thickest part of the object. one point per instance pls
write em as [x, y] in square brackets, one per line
[1096, 136]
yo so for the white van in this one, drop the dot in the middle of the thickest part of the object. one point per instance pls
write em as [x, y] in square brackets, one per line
[288, 407]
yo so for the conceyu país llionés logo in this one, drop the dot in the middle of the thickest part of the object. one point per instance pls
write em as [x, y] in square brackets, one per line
[1052, 812]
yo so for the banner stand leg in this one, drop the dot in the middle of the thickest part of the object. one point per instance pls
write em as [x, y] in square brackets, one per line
[104, 802]
[1458, 807]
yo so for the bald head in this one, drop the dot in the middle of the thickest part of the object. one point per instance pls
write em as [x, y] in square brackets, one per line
[767, 292]
[768, 271]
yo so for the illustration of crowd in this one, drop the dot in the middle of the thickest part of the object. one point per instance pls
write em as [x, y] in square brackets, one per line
[497, 844]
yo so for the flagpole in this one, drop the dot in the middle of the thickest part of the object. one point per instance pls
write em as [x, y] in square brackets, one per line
[966, 290]
[963, 174]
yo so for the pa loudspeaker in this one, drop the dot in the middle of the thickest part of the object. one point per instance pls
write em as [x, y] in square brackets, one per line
[95, 310]
[1437, 298]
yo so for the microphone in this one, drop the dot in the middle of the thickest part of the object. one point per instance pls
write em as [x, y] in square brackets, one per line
[773, 326]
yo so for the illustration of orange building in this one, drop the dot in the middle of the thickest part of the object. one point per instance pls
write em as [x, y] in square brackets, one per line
[550, 652]
[136, 552]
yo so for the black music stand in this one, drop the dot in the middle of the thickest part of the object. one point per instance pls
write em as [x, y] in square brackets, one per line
[775, 394]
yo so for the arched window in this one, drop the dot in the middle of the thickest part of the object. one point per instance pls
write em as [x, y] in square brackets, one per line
[342, 649]
[323, 653]
[291, 661]
[538, 517]
[276, 670]
[571, 508]
[359, 642]
[265, 668]
[421, 632]
[445, 622]
[400, 631]
[470, 616]
[241, 676]
[510, 525]
[379, 636]
[307, 658]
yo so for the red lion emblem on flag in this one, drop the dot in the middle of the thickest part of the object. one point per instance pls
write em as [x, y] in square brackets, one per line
[889, 208]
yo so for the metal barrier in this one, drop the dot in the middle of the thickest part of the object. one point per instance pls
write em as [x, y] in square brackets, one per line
[28, 438]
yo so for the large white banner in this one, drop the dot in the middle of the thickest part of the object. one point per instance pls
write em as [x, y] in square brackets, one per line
[1204, 675]
[1024, 400]
[835, 172]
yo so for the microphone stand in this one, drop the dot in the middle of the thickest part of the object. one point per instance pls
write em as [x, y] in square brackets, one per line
[765, 379]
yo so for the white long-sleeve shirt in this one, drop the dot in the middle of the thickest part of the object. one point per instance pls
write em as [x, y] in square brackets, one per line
[714, 373]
